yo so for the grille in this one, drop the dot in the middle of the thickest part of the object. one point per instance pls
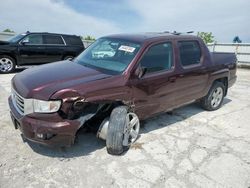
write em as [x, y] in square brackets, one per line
[18, 102]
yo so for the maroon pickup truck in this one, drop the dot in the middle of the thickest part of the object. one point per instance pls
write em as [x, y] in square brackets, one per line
[116, 82]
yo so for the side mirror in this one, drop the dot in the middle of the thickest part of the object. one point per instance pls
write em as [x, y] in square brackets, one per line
[23, 42]
[140, 71]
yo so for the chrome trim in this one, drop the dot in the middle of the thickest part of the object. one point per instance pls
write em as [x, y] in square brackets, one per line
[44, 44]
[17, 100]
[63, 41]
[22, 105]
[25, 66]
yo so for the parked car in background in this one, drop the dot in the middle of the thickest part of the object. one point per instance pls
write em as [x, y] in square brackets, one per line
[146, 75]
[30, 49]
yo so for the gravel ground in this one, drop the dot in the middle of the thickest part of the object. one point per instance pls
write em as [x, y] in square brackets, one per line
[188, 148]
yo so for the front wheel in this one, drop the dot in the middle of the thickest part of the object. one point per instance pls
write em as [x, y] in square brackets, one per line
[7, 64]
[123, 130]
[213, 100]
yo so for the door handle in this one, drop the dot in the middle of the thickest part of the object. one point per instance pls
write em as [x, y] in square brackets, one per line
[172, 79]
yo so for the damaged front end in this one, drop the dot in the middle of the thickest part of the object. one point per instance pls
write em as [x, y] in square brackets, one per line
[91, 115]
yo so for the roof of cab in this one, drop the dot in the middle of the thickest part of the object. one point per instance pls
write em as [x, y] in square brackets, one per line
[28, 32]
[150, 37]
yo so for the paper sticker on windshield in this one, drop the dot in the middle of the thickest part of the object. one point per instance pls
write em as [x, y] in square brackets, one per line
[127, 48]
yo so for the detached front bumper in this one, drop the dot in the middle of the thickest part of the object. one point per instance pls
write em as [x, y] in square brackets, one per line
[47, 129]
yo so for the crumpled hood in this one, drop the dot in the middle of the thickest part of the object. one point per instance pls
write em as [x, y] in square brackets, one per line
[43, 81]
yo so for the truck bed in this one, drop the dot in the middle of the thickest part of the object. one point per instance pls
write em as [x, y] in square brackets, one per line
[223, 58]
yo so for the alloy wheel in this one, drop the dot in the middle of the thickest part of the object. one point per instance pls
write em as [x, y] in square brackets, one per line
[131, 130]
[6, 64]
[217, 96]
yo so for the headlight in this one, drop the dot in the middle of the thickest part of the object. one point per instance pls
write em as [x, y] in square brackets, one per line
[46, 106]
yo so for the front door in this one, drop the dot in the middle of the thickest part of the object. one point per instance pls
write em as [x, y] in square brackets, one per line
[32, 50]
[154, 92]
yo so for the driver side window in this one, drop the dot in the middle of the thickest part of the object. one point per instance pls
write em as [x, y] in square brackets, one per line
[158, 58]
[33, 39]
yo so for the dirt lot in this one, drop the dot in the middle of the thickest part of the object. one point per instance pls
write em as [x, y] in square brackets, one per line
[190, 148]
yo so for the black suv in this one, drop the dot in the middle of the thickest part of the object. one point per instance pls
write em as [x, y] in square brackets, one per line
[30, 49]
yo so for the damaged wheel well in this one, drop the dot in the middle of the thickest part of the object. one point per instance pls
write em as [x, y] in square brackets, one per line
[91, 114]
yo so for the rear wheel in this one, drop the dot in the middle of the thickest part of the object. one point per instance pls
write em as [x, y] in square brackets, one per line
[213, 100]
[7, 64]
[123, 130]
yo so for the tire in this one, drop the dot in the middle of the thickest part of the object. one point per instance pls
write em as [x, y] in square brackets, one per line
[7, 64]
[118, 130]
[214, 99]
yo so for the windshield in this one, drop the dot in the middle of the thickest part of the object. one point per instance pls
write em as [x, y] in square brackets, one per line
[109, 54]
[16, 38]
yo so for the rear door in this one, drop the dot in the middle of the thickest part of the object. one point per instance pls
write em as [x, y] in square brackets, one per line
[154, 92]
[31, 50]
[74, 45]
[55, 47]
[192, 80]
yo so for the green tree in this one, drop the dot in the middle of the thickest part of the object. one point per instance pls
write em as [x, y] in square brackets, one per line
[8, 30]
[207, 37]
[88, 37]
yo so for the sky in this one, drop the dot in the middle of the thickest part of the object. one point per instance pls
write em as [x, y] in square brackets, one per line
[224, 18]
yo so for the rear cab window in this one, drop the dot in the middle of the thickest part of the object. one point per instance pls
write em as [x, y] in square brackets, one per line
[53, 40]
[189, 53]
